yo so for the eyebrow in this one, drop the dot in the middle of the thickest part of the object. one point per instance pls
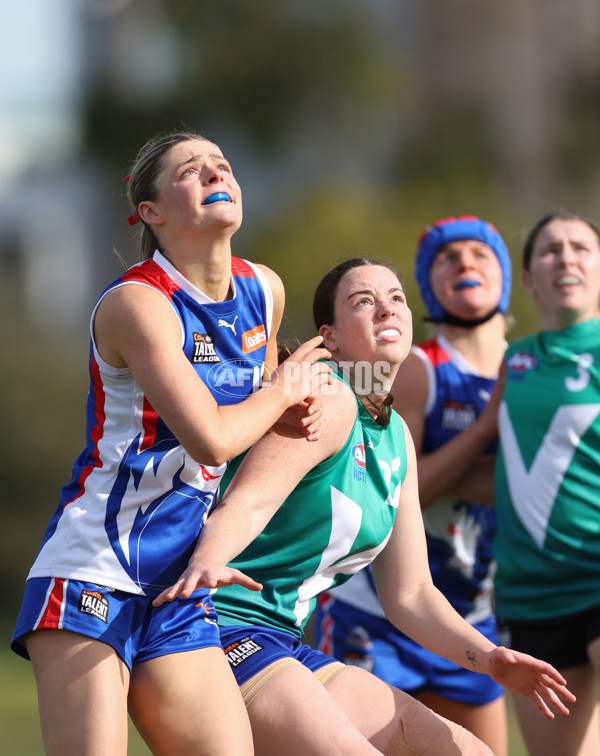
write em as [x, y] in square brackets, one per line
[560, 241]
[472, 242]
[193, 159]
[370, 291]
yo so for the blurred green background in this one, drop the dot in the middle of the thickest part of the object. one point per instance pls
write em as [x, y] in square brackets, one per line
[351, 125]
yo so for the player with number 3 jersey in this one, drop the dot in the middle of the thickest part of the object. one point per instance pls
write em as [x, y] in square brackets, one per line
[548, 478]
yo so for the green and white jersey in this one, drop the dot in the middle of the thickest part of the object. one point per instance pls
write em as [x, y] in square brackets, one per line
[548, 475]
[335, 522]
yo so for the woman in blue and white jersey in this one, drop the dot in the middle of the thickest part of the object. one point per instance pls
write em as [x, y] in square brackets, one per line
[179, 346]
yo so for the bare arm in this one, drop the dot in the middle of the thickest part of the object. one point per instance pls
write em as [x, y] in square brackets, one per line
[413, 604]
[447, 469]
[268, 474]
[135, 327]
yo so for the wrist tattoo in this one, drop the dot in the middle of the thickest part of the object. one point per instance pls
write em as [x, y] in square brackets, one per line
[471, 656]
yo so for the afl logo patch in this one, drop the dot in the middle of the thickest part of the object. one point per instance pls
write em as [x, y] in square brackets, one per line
[521, 361]
[359, 456]
[359, 472]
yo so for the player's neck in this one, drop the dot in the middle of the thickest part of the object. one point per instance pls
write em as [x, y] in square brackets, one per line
[483, 346]
[207, 267]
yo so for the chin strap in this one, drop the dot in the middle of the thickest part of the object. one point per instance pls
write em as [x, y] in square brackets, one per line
[449, 319]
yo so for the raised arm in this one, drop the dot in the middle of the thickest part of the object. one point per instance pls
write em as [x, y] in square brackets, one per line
[447, 469]
[268, 474]
[415, 606]
[135, 327]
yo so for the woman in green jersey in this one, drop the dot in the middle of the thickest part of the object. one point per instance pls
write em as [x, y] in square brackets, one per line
[444, 393]
[318, 513]
[548, 480]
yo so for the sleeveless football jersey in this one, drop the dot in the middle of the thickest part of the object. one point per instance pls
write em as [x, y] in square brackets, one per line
[335, 522]
[132, 511]
[548, 475]
[459, 533]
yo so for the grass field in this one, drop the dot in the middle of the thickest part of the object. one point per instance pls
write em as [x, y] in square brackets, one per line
[19, 725]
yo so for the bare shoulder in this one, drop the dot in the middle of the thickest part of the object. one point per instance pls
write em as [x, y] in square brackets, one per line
[280, 461]
[338, 398]
[132, 313]
[273, 279]
[129, 299]
[409, 441]
[338, 414]
[278, 291]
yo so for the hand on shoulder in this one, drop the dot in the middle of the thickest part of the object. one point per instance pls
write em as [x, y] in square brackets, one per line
[338, 411]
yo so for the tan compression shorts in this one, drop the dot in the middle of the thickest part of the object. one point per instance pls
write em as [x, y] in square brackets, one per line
[255, 684]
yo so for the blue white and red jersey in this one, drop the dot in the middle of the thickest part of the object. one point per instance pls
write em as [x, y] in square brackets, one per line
[459, 533]
[131, 514]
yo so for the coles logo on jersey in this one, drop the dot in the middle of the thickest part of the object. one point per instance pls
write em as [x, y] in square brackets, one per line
[456, 416]
[239, 651]
[360, 462]
[94, 603]
[204, 349]
[254, 338]
[521, 361]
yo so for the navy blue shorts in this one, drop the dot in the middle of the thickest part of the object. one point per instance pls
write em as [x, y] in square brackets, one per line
[373, 643]
[127, 622]
[251, 648]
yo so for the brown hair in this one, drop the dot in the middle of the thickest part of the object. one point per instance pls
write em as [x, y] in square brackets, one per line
[561, 214]
[324, 314]
[144, 173]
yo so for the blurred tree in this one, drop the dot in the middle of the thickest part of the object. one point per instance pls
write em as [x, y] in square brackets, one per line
[262, 64]
[258, 65]
[578, 148]
[337, 222]
[42, 405]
